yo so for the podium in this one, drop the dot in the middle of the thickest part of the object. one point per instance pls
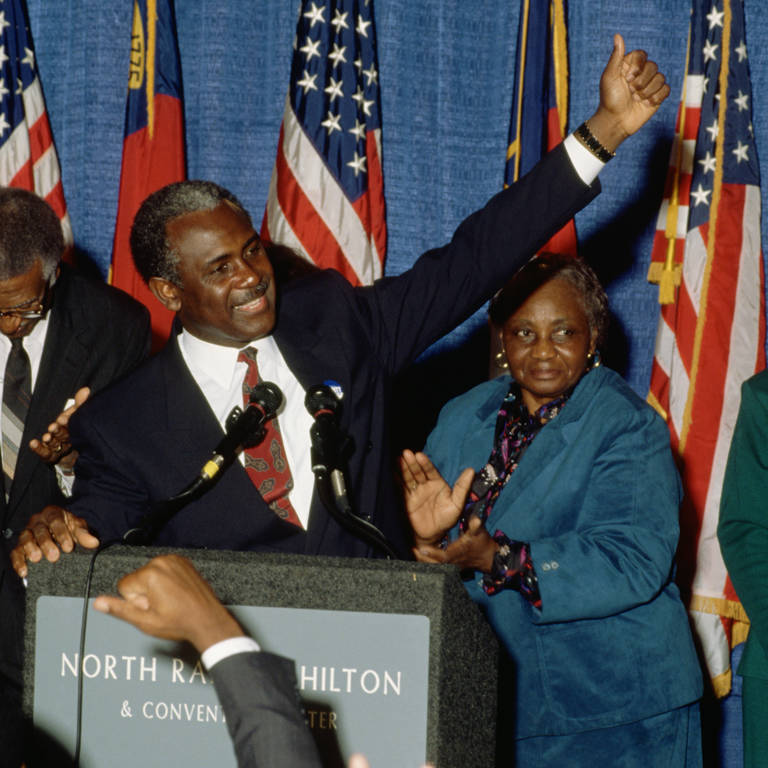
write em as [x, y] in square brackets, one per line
[392, 659]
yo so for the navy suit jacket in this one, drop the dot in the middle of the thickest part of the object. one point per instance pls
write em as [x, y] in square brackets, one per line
[596, 496]
[147, 438]
[264, 713]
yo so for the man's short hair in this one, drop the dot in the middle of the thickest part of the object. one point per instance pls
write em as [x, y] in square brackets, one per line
[152, 253]
[29, 231]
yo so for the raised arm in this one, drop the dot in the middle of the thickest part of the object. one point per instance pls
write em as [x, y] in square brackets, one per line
[631, 90]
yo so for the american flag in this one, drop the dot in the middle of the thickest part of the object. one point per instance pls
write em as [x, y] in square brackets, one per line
[27, 154]
[540, 103]
[153, 145]
[326, 197]
[708, 261]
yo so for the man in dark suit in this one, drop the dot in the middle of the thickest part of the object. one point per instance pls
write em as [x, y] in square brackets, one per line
[196, 247]
[62, 336]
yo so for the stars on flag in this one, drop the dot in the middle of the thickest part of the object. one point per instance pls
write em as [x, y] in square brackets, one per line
[700, 195]
[741, 101]
[357, 164]
[29, 58]
[339, 21]
[362, 26]
[715, 17]
[321, 43]
[740, 152]
[315, 14]
[308, 82]
[737, 156]
[337, 55]
[331, 123]
[707, 163]
[311, 48]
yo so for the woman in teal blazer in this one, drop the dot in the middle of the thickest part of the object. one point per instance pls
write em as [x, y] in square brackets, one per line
[569, 536]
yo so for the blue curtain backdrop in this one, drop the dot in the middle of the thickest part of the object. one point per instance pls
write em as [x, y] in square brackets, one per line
[446, 70]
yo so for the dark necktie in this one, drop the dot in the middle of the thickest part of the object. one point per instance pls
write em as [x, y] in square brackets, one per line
[17, 389]
[266, 463]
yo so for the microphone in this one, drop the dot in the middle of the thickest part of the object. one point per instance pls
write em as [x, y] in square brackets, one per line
[243, 429]
[331, 448]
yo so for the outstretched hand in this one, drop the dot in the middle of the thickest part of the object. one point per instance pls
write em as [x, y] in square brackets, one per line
[168, 598]
[631, 90]
[433, 506]
[54, 447]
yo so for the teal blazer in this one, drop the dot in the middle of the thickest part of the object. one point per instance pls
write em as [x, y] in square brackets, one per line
[743, 528]
[596, 495]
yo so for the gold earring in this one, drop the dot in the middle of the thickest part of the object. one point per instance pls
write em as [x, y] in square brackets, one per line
[500, 359]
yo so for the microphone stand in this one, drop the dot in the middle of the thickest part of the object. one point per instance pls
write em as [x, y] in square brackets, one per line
[341, 511]
[330, 449]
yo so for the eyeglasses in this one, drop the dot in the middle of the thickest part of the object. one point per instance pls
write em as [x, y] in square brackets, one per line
[21, 312]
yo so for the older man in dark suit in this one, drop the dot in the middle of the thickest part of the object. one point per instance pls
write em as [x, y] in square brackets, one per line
[61, 337]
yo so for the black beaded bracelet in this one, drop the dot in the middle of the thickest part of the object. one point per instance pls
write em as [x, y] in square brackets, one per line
[592, 144]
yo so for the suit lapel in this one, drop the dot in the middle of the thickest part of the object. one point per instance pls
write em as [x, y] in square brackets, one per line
[191, 425]
[550, 442]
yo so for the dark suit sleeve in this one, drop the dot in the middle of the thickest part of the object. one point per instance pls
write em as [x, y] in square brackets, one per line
[743, 527]
[264, 714]
[447, 284]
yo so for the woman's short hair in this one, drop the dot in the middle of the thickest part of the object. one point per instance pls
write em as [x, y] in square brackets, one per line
[151, 251]
[554, 266]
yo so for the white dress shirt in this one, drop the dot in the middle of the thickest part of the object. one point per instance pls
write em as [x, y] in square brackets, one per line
[220, 377]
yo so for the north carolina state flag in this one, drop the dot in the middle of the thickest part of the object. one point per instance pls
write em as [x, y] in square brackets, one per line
[153, 148]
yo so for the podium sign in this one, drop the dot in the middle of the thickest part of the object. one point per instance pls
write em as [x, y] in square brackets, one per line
[392, 659]
[147, 699]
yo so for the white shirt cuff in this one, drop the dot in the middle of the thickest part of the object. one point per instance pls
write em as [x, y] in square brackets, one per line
[584, 162]
[65, 481]
[226, 648]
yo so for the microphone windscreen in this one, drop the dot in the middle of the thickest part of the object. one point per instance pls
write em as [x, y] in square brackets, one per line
[321, 397]
[268, 396]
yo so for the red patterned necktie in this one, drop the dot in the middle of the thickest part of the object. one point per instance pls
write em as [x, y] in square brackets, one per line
[266, 463]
